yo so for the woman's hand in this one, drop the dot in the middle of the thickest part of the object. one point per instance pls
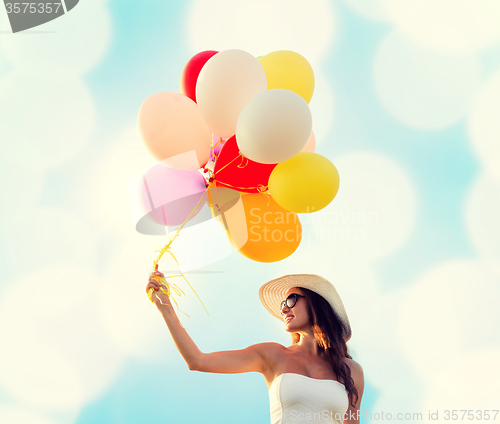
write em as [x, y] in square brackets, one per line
[157, 296]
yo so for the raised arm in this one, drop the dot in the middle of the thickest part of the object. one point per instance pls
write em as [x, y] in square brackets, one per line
[253, 358]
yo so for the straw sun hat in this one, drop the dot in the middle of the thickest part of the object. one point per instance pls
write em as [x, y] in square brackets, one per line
[274, 292]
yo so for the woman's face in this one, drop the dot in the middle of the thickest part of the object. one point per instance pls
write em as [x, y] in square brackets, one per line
[296, 318]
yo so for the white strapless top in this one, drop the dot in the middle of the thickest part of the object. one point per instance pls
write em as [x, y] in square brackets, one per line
[296, 398]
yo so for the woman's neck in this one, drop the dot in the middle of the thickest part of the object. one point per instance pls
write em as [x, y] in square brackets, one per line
[308, 344]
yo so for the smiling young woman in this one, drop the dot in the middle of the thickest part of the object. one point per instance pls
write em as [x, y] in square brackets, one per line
[313, 379]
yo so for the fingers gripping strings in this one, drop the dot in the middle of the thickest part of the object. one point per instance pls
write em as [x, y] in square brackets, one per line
[166, 288]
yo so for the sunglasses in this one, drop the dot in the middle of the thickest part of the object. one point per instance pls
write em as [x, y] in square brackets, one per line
[290, 301]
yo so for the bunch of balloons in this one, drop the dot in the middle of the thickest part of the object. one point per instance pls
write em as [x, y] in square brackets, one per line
[241, 126]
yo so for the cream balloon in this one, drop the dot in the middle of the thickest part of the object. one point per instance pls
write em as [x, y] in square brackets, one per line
[226, 83]
[273, 126]
[173, 130]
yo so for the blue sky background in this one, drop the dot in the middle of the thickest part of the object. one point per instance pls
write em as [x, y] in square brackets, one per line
[81, 341]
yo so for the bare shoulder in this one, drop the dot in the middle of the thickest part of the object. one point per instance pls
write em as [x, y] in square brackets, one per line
[271, 353]
[354, 366]
[356, 374]
[268, 348]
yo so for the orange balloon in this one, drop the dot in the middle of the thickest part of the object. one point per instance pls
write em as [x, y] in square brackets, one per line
[272, 233]
[173, 130]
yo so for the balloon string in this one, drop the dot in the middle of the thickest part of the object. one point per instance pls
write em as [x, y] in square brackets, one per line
[165, 286]
[260, 188]
[229, 163]
[244, 161]
[268, 197]
[212, 148]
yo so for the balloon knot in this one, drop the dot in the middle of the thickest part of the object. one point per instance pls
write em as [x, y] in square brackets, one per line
[211, 180]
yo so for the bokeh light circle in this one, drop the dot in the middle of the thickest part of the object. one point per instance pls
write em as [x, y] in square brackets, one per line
[453, 26]
[70, 46]
[261, 27]
[451, 309]
[482, 209]
[421, 88]
[484, 125]
[44, 124]
[373, 213]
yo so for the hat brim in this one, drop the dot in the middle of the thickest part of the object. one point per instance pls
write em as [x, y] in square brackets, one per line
[273, 292]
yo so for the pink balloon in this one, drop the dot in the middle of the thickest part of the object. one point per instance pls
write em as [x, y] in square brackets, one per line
[167, 196]
[311, 144]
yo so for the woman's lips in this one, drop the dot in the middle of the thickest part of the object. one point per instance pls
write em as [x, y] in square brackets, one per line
[288, 319]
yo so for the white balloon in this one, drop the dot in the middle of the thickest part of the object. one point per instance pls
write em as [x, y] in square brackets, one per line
[225, 84]
[273, 126]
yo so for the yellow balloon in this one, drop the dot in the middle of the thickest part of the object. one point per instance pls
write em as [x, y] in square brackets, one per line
[305, 183]
[271, 232]
[289, 70]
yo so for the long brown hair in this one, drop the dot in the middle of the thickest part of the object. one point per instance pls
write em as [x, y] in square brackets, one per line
[328, 332]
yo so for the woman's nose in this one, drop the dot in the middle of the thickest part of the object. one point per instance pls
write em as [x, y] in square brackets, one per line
[284, 308]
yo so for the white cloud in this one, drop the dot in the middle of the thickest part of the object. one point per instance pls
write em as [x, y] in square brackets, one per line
[21, 187]
[397, 403]
[261, 27]
[470, 383]
[447, 25]
[44, 124]
[48, 236]
[372, 9]
[484, 125]
[377, 346]
[70, 46]
[106, 195]
[17, 415]
[451, 309]
[322, 108]
[482, 209]
[421, 88]
[56, 355]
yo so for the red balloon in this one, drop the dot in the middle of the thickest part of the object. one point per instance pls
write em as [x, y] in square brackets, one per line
[238, 172]
[191, 71]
